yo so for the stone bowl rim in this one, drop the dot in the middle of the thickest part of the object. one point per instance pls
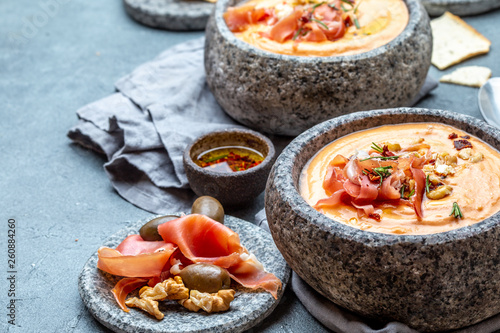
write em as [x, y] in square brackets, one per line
[259, 168]
[415, 8]
[303, 210]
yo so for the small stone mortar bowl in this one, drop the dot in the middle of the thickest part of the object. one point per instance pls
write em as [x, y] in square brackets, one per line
[234, 188]
[284, 94]
[432, 282]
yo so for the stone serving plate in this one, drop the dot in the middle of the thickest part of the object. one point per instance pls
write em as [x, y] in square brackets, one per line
[247, 310]
[431, 282]
[235, 188]
[284, 94]
[460, 7]
[179, 15]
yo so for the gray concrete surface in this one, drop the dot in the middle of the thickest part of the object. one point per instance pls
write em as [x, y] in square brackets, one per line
[55, 56]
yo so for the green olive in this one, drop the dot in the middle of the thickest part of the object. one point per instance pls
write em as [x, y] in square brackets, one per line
[210, 207]
[205, 278]
[149, 231]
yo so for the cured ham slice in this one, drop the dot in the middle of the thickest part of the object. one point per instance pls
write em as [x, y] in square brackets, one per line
[286, 27]
[365, 182]
[124, 287]
[138, 265]
[238, 18]
[419, 177]
[332, 201]
[202, 239]
[134, 244]
[334, 180]
[368, 192]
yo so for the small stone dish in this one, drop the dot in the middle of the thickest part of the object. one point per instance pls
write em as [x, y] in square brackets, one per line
[233, 188]
[435, 282]
[286, 95]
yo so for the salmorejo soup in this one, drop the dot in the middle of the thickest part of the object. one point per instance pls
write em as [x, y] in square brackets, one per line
[418, 178]
[316, 27]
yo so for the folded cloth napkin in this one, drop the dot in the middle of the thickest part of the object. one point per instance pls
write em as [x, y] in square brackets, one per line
[143, 129]
[343, 321]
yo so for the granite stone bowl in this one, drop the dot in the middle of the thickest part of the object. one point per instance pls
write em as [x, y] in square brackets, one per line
[284, 94]
[433, 282]
[234, 188]
[459, 7]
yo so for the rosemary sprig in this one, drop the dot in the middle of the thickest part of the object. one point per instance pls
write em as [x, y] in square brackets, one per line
[320, 22]
[456, 212]
[427, 184]
[377, 148]
[381, 157]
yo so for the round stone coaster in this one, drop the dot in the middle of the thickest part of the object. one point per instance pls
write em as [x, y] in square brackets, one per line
[180, 15]
[459, 7]
[248, 308]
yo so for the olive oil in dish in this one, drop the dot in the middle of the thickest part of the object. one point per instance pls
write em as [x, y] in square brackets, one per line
[229, 159]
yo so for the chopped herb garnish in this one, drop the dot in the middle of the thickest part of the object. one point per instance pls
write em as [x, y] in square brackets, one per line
[297, 34]
[377, 148]
[317, 5]
[331, 5]
[381, 157]
[347, 2]
[403, 192]
[343, 8]
[382, 172]
[411, 193]
[356, 23]
[427, 184]
[456, 212]
[356, 8]
[320, 22]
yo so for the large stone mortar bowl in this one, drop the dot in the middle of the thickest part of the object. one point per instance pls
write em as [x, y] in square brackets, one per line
[284, 94]
[430, 282]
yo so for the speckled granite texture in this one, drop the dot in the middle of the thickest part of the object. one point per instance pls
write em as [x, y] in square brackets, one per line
[231, 189]
[248, 308]
[283, 94]
[459, 7]
[180, 15]
[429, 282]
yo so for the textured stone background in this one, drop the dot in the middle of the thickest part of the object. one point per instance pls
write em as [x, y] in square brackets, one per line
[57, 191]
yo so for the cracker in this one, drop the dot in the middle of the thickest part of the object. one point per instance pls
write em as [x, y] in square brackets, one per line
[473, 76]
[455, 41]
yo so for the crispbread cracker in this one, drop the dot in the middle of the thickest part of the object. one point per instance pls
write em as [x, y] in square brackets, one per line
[454, 41]
[474, 76]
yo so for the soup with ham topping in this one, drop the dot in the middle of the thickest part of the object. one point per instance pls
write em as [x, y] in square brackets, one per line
[418, 178]
[317, 28]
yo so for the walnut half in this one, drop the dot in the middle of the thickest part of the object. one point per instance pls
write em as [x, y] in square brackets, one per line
[168, 289]
[148, 305]
[216, 302]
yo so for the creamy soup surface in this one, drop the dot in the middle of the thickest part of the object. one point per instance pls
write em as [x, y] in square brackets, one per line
[322, 28]
[467, 178]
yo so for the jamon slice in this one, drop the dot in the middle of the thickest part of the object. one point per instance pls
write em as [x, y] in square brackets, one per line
[202, 239]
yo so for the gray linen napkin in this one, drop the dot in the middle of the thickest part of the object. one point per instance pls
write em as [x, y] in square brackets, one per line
[144, 128]
[343, 321]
